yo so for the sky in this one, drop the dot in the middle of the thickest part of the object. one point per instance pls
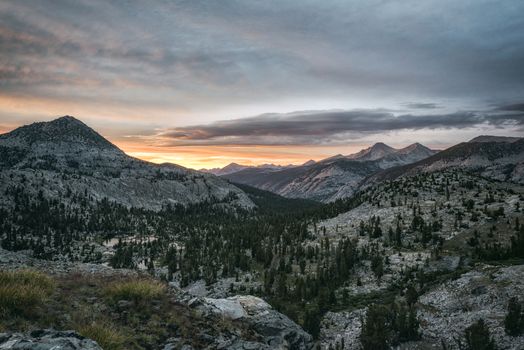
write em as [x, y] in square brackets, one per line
[206, 83]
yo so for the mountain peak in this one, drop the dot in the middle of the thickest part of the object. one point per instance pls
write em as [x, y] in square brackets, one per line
[332, 158]
[228, 169]
[417, 150]
[66, 118]
[377, 151]
[233, 164]
[413, 147]
[381, 145]
[309, 162]
[66, 129]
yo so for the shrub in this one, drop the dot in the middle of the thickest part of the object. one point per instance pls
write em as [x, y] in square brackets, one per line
[23, 290]
[136, 290]
[105, 335]
[478, 337]
[389, 325]
[514, 320]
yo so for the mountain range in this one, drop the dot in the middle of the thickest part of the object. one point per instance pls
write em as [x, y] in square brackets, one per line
[332, 178]
[495, 157]
[234, 167]
[66, 155]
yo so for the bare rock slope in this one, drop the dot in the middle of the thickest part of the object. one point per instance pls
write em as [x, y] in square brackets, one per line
[65, 155]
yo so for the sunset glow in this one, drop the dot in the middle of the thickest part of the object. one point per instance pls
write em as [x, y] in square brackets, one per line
[204, 84]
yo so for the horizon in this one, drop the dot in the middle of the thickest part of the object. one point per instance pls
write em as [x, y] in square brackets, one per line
[251, 164]
[203, 85]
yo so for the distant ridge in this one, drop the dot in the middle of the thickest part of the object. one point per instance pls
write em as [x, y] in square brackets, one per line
[232, 168]
[331, 178]
[228, 169]
[489, 138]
[309, 162]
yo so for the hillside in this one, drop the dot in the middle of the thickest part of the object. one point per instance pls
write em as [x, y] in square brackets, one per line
[489, 138]
[66, 158]
[502, 161]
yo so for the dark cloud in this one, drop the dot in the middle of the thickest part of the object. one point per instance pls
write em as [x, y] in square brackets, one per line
[231, 52]
[422, 105]
[516, 107]
[325, 127]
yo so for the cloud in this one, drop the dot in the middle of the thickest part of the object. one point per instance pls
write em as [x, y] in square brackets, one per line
[229, 53]
[423, 105]
[516, 107]
[326, 127]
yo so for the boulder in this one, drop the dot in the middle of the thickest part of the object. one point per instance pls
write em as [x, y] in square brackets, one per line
[275, 330]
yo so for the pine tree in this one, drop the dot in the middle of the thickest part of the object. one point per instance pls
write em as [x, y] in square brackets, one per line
[478, 337]
[514, 321]
[376, 332]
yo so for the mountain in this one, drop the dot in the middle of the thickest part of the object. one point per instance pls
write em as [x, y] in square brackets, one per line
[271, 166]
[60, 132]
[332, 178]
[228, 169]
[497, 160]
[309, 162]
[406, 155]
[388, 157]
[66, 156]
[488, 138]
[377, 151]
[234, 167]
[322, 181]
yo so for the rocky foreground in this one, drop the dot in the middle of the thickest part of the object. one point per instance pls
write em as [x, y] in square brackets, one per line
[248, 322]
[238, 322]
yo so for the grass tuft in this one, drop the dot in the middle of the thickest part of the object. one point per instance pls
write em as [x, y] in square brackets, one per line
[107, 336]
[23, 290]
[136, 290]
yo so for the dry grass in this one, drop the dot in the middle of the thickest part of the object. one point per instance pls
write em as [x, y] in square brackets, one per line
[136, 290]
[89, 304]
[23, 290]
[106, 335]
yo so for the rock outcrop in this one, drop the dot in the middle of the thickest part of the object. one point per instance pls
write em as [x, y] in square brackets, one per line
[445, 312]
[272, 330]
[47, 339]
[482, 293]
